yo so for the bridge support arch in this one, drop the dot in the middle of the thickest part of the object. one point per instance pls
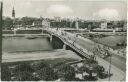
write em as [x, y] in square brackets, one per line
[56, 42]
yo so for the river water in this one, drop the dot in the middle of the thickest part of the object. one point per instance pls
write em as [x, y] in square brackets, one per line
[16, 44]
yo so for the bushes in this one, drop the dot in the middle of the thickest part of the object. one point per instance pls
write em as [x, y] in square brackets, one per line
[23, 72]
[24, 76]
[23, 67]
[44, 71]
[46, 74]
[66, 72]
[5, 73]
[38, 65]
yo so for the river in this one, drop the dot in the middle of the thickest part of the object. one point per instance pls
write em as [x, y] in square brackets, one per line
[16, 44]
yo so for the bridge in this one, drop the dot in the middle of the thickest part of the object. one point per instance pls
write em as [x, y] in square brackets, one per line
[66, 38]
[69, 39]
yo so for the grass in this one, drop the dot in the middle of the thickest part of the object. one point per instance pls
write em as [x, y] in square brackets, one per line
[111, 41]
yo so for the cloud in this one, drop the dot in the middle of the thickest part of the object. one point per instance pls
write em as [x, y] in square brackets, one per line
[109, 14]
[59, 10]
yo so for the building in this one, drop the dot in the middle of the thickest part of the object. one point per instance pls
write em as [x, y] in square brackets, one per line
[41, 23]
[103, 24]
[37, 23]
[45, 23]
[13, 18]
[125, 26]
[76, 25]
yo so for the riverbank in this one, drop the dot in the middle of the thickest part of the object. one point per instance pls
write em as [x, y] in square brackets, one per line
[22, 35]
[24, 31]
[14, 57]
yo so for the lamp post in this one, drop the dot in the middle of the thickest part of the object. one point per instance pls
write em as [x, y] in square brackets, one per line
[110, 67]
[1, 13]
[1, 21]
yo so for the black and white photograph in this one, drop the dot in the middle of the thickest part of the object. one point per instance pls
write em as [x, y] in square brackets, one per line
[63, 40]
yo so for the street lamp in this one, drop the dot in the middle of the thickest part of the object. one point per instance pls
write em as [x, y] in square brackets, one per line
[110, 67]
[1, 12]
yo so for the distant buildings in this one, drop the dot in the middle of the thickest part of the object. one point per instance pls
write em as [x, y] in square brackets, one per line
[58, 22]
[103, 24]
[45, 23]
[41, 23]
[77, 25]
[125, 26]
[37, 23]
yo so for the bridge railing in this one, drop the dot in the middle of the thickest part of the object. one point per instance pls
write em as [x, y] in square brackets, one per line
[79, 49]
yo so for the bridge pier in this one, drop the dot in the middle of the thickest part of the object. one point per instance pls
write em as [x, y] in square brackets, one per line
[14, 32]
[64, 46]
[50, 38]
[114, 30]
[77, 25]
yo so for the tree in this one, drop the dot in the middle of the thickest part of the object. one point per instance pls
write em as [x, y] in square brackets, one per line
[28, 20]
[81, 70]
[46, 74]
[7, 22]
[66, 73]
[24, 76]
[39, 65]
[89, 27]
[5, 73]
[23, 67]
[90, 67]
[43, 71]
[23, 72]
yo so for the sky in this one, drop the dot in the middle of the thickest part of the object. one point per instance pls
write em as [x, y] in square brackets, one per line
[86, 9]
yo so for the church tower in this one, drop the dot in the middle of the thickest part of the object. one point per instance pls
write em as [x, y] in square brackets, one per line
[13, 18]
[13, 13]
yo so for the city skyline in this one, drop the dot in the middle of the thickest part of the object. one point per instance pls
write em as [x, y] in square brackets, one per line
[89, 10]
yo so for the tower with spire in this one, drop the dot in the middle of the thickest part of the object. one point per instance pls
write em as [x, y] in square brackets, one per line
[13, 13]
[13, 18]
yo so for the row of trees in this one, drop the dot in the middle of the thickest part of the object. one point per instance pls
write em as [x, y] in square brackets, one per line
[8, 22]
